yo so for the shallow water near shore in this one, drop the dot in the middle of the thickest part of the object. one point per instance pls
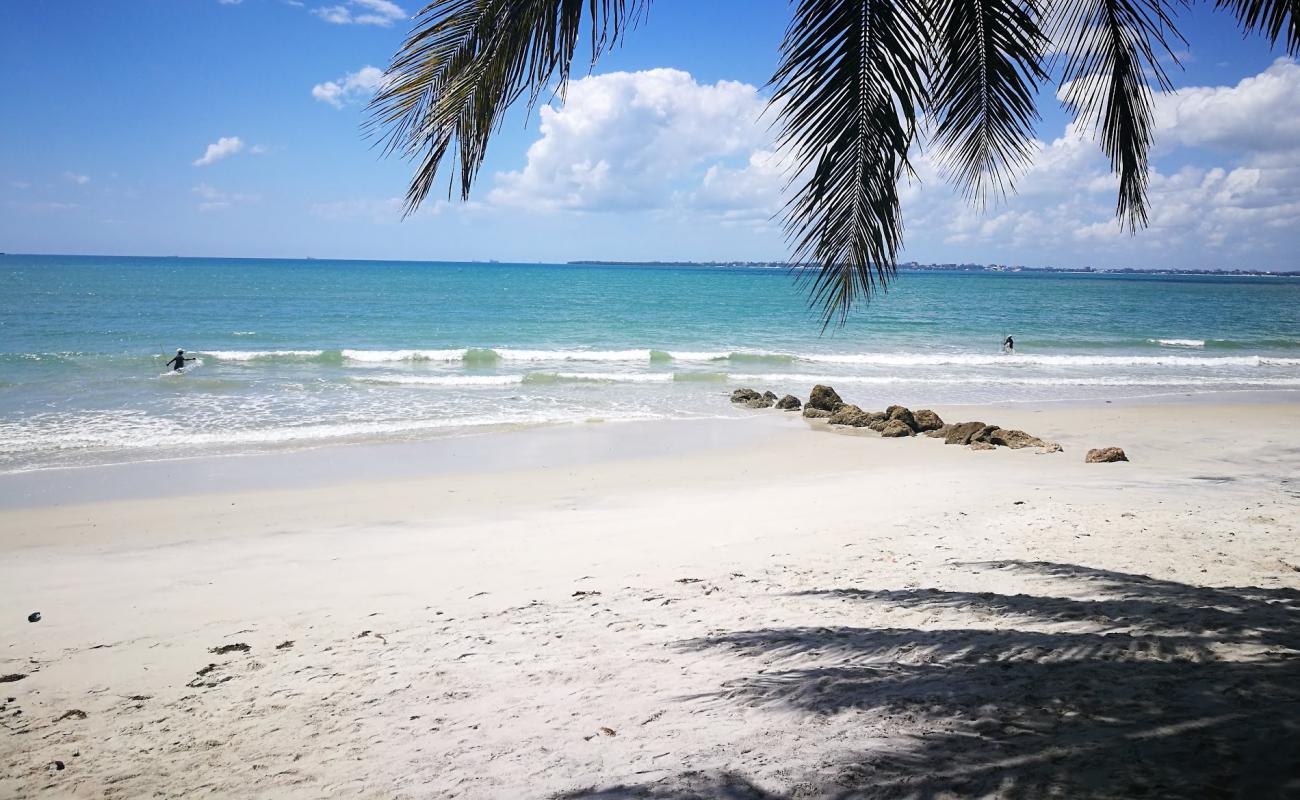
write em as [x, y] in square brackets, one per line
[302, 353]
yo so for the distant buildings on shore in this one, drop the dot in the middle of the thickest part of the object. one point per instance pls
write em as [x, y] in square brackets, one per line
[913, 266]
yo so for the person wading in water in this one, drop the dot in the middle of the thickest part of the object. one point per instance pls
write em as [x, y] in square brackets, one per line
[178, 362]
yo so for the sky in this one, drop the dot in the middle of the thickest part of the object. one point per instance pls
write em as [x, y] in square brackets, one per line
[234, 128]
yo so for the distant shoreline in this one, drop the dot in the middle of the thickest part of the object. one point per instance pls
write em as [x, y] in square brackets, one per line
[912, 266]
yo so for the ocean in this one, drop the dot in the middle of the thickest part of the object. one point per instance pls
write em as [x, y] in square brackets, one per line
[301, 353]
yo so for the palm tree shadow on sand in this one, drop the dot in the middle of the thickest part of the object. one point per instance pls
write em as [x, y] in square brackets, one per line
[1174, 691]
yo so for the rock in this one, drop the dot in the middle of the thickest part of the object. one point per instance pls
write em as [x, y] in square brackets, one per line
[11, 677]
[904, 416]
[769, 395]
[824, 398]
[981, 445]
[757, 402]
[891, 409]
[815, 413]
[238, 647]
[1105, 455]
[745, 395]
[35, 616]
[789, 403]
[850, 415]
[75, 713]
[926, 420]
[963, 432]
[58, 765]
[1051, 447]
[939, 433]
[1013, 439]
[896, 428]
[878, 425]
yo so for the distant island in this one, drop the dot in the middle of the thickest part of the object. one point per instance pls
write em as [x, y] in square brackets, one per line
[913, 266]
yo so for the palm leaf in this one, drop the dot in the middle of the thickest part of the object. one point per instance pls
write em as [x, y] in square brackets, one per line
[848, 91]
[988, 62]
[466, 61]
[1110, 46]
[1273, 18]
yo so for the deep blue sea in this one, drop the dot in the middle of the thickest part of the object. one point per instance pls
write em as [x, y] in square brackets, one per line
[302, 353]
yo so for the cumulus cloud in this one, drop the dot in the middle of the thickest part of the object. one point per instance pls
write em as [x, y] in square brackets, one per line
[229, 2]
[362, 12]
[351, 88]
[222, 148]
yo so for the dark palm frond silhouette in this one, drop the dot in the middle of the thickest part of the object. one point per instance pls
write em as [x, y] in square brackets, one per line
[856, 83]
[1178, 690]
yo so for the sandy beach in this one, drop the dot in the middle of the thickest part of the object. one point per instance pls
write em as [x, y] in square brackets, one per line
[753, 608]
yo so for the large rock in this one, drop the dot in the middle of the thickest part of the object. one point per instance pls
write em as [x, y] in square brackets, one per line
[1013, 439]
[891, 409]
[963, 432]
[758, 402]
[904, 416]
[926, 420]
[789, 403]
[1105, 455]
[770, 395]
[850, 415]
[824, 398]
[896, 428]
[815, 413]
[744, 395]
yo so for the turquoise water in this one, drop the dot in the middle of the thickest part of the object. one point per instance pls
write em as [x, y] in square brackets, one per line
[300, 353]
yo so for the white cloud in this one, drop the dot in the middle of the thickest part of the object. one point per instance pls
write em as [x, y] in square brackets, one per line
[229, 2]
[222, 148]
[351, 88]
[633, 140]
[362, 12]
[1260, 114]
[80, 180]
[212, 199]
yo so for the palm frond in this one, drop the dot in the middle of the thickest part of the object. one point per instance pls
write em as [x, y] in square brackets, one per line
[988, 61]
[1273, 18]
[1110, 46]
[848, 90]
[466, 61]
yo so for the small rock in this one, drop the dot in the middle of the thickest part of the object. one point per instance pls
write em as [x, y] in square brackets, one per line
[1105, 455]
[745, 395]
[851, 416]
[769, 395]
[1051, 447]
[757, 402]
[938, 433]
[903, 415]
[11, 677]
[896, 428]
[824, 398]
[815, 413]
[926, 420]
[962, 432]
[75, 713]
[238, 647]
[789, 403]
[608, 731]
[58, 765]
[1013, 439]
[981, 445]
[35, 616]
[285, 645]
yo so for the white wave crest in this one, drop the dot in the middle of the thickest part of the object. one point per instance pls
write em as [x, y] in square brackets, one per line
[1178, 342]
[254, 355]
[573, 355]
[442, 380]
[380, 356]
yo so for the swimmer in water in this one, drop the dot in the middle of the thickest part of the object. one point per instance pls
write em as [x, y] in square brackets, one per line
[178, 362]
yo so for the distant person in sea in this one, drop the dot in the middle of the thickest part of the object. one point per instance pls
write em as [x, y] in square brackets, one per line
[1009, 345]
[178, 362]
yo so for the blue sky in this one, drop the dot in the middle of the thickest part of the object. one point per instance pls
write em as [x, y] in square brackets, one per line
[107, 107]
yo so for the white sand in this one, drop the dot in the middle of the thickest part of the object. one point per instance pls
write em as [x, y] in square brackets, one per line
[790, 613]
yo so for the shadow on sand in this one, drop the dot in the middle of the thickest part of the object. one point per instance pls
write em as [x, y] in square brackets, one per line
[1164, 690]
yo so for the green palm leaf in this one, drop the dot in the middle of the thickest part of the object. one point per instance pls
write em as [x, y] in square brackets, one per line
[988, 62]
[849, 89]
[1111, 45]
[1275, 19]
[466, 61]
